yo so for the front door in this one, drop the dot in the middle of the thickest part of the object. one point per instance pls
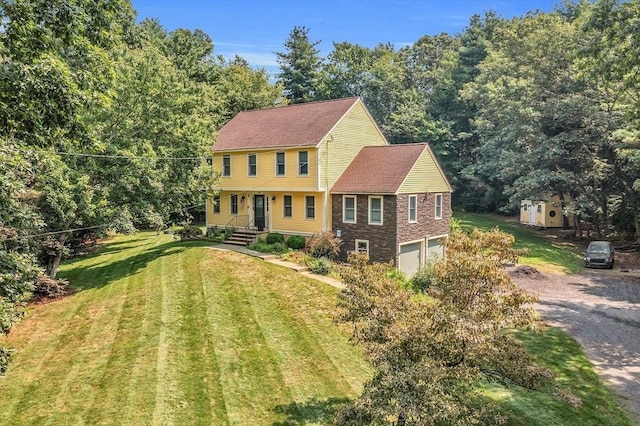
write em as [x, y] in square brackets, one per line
[258, 211]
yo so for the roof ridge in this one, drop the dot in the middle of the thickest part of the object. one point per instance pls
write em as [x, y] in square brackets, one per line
[398, 144]
[300, 104]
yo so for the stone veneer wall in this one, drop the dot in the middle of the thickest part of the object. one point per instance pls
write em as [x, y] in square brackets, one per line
[396, 229]
[382, 238]
[427, 225]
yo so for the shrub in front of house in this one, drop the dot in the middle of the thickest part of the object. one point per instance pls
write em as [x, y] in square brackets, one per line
[321, 265]
[324, 245]
[274, 237]
[190, 233]
[423, 279]
[296, 242]
[264, 247]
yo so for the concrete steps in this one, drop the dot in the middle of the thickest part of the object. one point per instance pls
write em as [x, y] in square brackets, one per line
[242, 237]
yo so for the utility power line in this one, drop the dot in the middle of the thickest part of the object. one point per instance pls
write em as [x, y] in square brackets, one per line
[85, 228]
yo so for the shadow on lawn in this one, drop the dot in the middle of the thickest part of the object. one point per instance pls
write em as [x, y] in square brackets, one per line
[312, 411]
[99, 275]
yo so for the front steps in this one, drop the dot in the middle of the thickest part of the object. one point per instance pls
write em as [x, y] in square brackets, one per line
[242, 237]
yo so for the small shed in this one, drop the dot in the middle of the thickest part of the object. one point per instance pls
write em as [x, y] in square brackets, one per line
[544, 214]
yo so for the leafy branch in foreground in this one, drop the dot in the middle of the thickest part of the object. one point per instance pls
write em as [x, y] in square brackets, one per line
[430, 350]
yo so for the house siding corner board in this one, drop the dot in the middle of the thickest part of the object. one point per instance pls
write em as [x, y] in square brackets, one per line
[382, 238]
[427, 225]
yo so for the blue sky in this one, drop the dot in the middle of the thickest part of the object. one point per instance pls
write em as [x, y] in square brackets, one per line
[256, 29]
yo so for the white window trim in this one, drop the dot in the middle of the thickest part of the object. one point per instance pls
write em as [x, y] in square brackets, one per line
[284, 163]
[303, 174]
[361, 241]
[381, 198]
[355, 209]
[306, 210]
[435, 206]
[249, 164]
[284, 206]
[414, 197]
[229, 157]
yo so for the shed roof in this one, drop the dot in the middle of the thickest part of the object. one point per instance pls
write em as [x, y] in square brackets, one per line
[301, 125]
[379, 169]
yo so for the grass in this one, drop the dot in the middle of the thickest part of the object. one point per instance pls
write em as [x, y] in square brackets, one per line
[560, 352]
[545, 252]
[163, 332]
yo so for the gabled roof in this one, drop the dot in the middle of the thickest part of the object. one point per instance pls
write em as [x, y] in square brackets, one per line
[379, 169]
[303, 125]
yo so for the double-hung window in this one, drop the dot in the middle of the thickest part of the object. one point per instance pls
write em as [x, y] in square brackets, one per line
[413, 208]
[280, 168]
[303, 163]
[310, 207]
[438, 206]
[287, 206]
[226, 165]
[375, 210]
[234, 203]
[349, 209]
[362, 247]
[252, 165]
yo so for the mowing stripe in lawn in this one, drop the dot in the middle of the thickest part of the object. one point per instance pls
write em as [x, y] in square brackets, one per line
[68, 329]
[202, 398]
[251, 378]
[165, 364]
[306, 367]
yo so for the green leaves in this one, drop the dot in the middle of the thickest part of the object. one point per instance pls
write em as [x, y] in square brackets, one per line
[430, 350]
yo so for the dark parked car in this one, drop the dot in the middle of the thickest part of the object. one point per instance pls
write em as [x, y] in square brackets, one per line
[599, 254]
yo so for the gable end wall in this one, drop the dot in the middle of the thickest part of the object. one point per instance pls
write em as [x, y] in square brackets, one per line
[427, 226]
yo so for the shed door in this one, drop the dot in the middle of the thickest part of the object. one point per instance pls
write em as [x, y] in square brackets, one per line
[532, 214]
[409, 260]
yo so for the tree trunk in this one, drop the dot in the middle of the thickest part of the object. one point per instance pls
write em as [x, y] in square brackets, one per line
[54, 260]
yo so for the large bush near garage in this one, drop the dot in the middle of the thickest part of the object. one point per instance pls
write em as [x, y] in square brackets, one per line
[324, 245]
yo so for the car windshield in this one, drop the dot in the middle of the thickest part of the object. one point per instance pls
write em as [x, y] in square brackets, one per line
[599, 248]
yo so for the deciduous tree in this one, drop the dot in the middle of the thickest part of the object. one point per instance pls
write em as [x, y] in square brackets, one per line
[430, 350]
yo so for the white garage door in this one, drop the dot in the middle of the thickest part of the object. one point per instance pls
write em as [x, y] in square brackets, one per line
[409, 261]
[434, 250]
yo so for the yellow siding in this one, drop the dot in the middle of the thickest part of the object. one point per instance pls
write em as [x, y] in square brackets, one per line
[297, 224]
[543, 217]
[275, 220]
[425, 176]
[266, 179]
[353, 132]
[224, 217]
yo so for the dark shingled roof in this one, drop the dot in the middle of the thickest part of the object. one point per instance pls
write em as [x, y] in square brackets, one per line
[379, 169]
[282, 127]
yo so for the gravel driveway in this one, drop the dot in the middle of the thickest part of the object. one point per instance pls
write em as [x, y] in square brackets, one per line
[601, 310]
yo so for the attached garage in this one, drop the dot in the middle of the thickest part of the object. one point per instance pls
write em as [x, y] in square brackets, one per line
[435, 249]
[410, 258]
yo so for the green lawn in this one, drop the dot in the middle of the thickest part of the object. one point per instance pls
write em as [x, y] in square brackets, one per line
[162, 332]
[545, 252]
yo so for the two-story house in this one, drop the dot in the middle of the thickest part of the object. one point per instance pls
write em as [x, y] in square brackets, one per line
[288, 169]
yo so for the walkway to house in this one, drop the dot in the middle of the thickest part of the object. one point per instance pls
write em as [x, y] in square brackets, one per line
[275, 260]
